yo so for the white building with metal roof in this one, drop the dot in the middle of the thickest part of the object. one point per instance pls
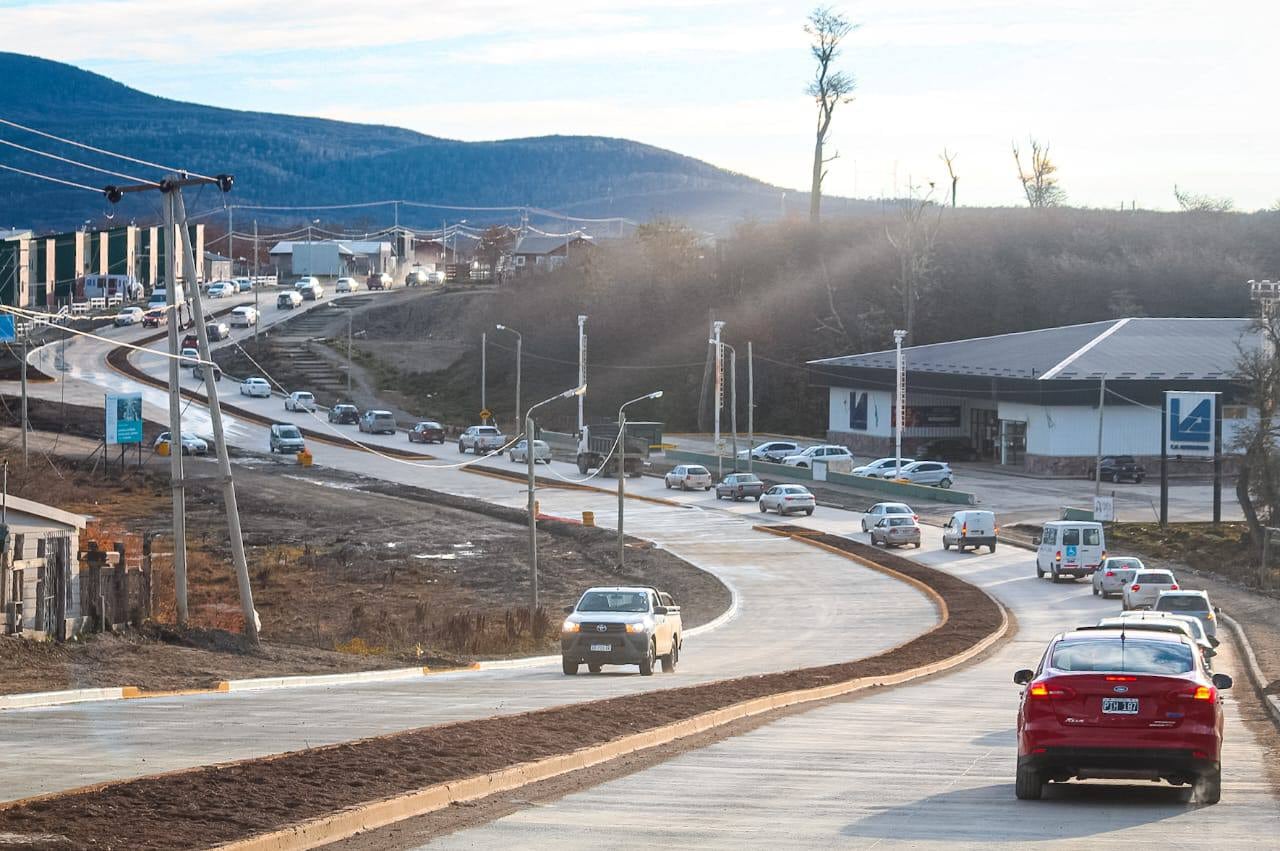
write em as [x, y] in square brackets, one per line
[1030, 399]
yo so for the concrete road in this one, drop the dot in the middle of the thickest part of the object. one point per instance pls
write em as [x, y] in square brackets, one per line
[921, 766]
[848, 612]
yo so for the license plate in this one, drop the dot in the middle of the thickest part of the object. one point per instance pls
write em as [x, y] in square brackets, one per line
[608, 648]
[1120, 705]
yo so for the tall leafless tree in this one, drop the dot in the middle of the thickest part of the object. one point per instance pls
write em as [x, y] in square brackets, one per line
[1040, 183]
[829, 88]
[913, 240]
[950, 160]
[1192, 203]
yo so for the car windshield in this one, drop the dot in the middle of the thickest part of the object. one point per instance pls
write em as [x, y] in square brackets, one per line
[287, 431]
[1182, 603]
[614, 601]
[1117, 655]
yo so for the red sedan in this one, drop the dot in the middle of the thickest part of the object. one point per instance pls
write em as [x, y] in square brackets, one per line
[1135, 706]
[427, 432]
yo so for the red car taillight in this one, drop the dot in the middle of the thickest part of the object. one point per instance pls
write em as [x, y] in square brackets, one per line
[1173, 587]
[1205, 693]
[1057, 556]
[1046, 691]
[1135, 587]
[1110, 573]
[964, 530]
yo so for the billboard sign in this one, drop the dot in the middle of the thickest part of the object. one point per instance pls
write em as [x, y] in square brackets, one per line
[1189, 423]
[1104, 509]
[124, 418]
[8, 333]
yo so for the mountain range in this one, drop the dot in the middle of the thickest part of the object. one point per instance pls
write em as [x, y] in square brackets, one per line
[290, 160]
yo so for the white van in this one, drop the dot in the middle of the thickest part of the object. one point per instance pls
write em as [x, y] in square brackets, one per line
[970, 529]
[1072, 548]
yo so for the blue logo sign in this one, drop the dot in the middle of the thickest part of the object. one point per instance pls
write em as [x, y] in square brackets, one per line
[7, 334]
[1190, 425]
[1071, 551]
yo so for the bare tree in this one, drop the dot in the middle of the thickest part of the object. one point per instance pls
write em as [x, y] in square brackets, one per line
[1040, 183]
[1192, 203]
[950, 160]
[1258, 485]
[829, 88]
[913, 240]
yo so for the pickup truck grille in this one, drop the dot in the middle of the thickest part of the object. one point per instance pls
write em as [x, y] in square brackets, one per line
[594, 628]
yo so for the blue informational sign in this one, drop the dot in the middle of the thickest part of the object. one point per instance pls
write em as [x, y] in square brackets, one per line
[124, 418]
[7, 331]
[1189, 428]
[1072, 551]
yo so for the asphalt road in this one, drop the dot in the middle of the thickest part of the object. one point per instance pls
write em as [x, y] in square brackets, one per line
[928, 765]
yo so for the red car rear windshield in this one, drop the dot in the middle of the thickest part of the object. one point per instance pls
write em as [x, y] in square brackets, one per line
[1130, 655]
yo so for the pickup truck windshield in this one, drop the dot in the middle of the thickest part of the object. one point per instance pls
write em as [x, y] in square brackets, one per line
[614, 601]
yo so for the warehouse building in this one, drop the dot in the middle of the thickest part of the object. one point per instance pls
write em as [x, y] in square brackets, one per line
[1030, 399]
[330, 258]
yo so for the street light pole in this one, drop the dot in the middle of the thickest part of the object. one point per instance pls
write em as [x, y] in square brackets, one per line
[751, 409]
[733, 403]
[717, 327]
[899, 404]
[622, 471]
[530, 459]
[519, 360]
[582, 362]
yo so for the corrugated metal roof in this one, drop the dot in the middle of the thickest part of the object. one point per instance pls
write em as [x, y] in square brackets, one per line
[545, 244]
[1131, 349]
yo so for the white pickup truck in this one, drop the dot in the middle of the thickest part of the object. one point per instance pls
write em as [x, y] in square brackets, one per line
[481, 439]
[622, 626]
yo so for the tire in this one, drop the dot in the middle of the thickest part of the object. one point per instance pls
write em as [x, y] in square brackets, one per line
[992, 547]
[763, 508]
[917, 545]
[1208, 788]
[803, 466]
[1028, 785]
[864, 527]
[594, 668]
[670, 661]
[646, 664]
[583, 467]
[1039, 571]
[718, 496]
[1054, 575]
[808, 512]
[707, 488]
[945, 484]
[569, 668]
[1115, 478]
[945, 545]
[665, 482]
[1095, 590]
[461, 448]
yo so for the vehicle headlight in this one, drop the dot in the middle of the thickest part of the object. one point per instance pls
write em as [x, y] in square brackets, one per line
[571, 626]
[642, 626]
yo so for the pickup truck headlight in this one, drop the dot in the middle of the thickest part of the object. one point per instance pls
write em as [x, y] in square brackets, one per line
[571, 626]
[638, 627]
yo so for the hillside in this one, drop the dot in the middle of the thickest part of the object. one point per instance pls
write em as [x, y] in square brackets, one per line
[285, 160]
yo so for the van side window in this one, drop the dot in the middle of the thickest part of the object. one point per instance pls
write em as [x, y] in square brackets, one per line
[1050, 536]
[1092, 537]
[1071, 537]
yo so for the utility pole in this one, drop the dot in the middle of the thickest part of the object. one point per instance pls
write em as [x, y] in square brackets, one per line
[219, 437]
[530, 459]
[348, 355]
[582, 364]
[484, 367]
[231, 242]
[256, 284]
[25, 423]
[733, 403]
[519, 359]
[717, 327]
[1097, 461]
[899, 404]
[751, 409]
[175, 414]
[622, 471]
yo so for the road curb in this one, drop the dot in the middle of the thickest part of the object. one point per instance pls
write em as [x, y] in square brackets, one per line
[39, 699]
[1255, 672]
[354, 820]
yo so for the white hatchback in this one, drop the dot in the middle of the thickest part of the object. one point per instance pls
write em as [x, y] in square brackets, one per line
[300, 400]
[346, 285]
[244, 317]
[255, 387]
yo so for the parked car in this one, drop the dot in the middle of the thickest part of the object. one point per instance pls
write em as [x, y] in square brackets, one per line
[872, 515]
[309, 288]
[1113, 574]
[288, 300]
[481, 439]
[1144, 588]
[197, 372]
[806, 457]
[244, 285]
[379, 281]
[771, 450]
[300, 400]
[378, 422]
[937, 473]
[255, 386]
[946, 449]
[153, 317]
[622, 626]
[217, 331]
[346, 285]
[427, 431]
[541, 452]
[128, 316]
[896, 531]
[882, 468]
[1117, 468]
[740, 486]
[346, 415]
[285, 437]
[969, 528]
[1186, 624]
[1112, 704]
[1194, 603]
[1072, 548]
[191, 445]
[787, 499]
[688, 477]
[222, 289]
[244, 317]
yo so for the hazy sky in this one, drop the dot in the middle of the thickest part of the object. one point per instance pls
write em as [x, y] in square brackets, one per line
[1134, 95]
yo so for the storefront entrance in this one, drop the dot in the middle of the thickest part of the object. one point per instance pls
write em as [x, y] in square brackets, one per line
[984, 432]
[1013, 442]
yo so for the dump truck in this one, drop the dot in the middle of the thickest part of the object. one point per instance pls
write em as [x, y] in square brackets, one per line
[596, 442]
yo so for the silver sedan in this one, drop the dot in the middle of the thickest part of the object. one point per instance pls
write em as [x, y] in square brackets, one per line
[1113, 574]
[520, 452]
[896, 531]
[788, 499]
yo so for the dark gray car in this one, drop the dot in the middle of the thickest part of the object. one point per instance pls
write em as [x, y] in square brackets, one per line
[740, 486]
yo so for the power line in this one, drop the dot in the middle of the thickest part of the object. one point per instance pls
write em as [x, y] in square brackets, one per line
[93, 189]
[102, 151]
[78, 163]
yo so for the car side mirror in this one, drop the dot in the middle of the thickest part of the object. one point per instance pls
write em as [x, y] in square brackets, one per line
[568, 610]
[1035, 541]
[1213, 639]
[659, 610]
[1221, 682]
[1210, 653]
[1217, 610]
[1024, 676]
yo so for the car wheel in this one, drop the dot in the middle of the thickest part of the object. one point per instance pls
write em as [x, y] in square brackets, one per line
[671, 659]
[593, 667]
[461, 448]
[646, 664]
[946, 545]
[1115, 477]
[808, 512]
[763, 508]
[570, 668]
[665, 482]
[1028, 784]
[1095, 590]
[1208, 787]
[1039, 571]
[718, 496]
[991, 547]
[803, 465]
[944, 484]
[917, 545]
[1055, 576]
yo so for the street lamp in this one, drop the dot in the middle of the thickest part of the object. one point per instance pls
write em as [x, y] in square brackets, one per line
[622, 469]
[899, 404]
[519, 358]
[533, 512]
[717, 327]
[733, 400]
